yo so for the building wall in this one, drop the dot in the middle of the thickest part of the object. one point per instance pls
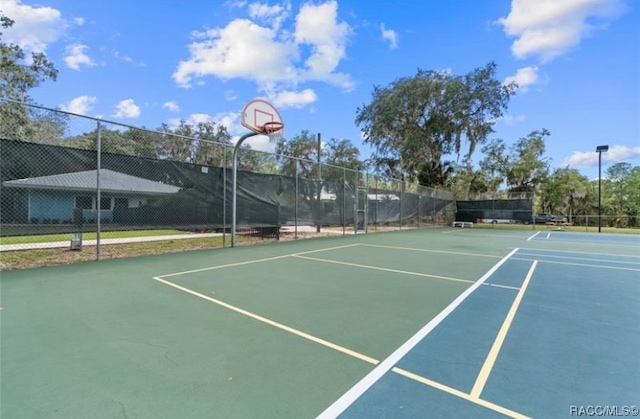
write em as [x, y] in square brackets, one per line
[50, 205]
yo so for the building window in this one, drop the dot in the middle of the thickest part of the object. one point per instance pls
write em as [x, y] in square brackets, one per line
[84, 202]
[105, 203]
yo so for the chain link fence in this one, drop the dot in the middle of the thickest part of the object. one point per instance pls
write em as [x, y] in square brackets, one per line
[78, 188]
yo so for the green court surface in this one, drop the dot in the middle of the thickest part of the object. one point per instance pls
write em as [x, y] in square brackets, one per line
[286, 330]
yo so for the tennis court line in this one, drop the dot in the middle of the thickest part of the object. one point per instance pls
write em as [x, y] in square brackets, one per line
[458, 393]
[533, 235]
[376, 268]
[348, 398]
[485, 371]
[432, 251]
[577, 258]
[586, 265]
[580, 252]
[273, 323]
[248, 262]
[346, 351]
[507, 287]
[593, 243]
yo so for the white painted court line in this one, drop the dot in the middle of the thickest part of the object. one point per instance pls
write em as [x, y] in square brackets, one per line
[507, 287]
[485, 371]
[413, 249]
[585, 265]
[548, 235]
[348, 398]
[376, 268]
[580, 252]
[539, 255]
[248, 262]
[630, 246]
[533, 235]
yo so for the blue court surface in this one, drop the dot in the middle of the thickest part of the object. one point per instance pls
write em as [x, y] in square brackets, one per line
[541, 334]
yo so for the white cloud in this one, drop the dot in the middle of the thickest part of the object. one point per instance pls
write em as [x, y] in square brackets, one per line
[230, 95]
[231, 52]
[273, 15]
[512, 119]
[78, 21]
[524, 77]
[127, 109]
[122, 57]
[550, 28]
[171, 106]
[75, 57]
[80, 105]
[318, 26]
[390, 36]
[35, 27]
[275, 59]
[291, 99]
[615, 154]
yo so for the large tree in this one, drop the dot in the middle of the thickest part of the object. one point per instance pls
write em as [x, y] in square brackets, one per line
[19, 73]
[417, 120]
[522, 166]
[566, 192]
[622, 193]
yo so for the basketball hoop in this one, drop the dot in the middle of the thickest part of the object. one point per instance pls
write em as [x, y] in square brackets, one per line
[272, 128]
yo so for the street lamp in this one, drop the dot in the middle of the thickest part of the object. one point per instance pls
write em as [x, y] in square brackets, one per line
[600, 149]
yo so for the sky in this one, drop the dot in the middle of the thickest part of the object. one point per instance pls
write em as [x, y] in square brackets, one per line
[145, 63]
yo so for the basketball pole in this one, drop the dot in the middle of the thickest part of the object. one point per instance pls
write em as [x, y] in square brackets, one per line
[234, 190]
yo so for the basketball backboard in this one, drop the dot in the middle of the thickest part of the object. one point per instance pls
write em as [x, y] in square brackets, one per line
[259, 112]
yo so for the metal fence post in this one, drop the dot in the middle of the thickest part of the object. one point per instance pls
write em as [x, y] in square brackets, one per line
[98, 194]
[224, 195]
[400, 205]
[344, 201]
[419, 205]
[433, 208]
[295, 200]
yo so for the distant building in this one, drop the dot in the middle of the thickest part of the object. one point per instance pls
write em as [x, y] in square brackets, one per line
[53, 199]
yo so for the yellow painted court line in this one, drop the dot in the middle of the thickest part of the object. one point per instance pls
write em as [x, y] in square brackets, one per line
[458, 393]
[248, 262]
[375, 268]
[497, 344]
[272, 323]
[587, 265]
[345, 351]
[433, 251]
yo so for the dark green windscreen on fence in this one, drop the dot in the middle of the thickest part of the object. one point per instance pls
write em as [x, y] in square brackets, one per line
[499, 210]
[53, 185]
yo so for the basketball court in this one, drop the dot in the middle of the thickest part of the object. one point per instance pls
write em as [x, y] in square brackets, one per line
[439, 323]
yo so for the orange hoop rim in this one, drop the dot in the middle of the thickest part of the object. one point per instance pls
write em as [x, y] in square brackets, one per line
[272, 128]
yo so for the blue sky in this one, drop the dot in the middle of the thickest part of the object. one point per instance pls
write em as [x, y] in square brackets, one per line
[151, 62]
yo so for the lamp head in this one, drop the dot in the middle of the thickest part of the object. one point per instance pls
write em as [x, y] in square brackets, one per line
[602, 148]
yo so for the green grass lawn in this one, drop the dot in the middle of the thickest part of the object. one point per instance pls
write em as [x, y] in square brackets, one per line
[87, 236]
[542, 227]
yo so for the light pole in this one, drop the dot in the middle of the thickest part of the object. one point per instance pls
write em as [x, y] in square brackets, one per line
[600, 149]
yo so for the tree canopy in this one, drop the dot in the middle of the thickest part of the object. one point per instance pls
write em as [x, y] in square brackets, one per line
[19, 73]
[417, 120]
